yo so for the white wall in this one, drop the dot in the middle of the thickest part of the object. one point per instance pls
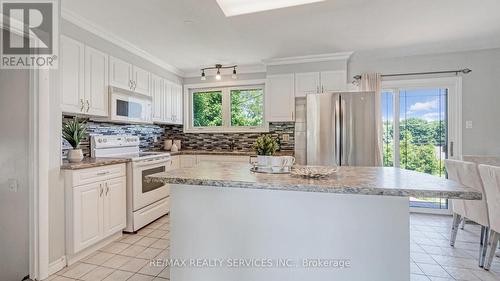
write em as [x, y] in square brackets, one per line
[481, 89]
[14, 206]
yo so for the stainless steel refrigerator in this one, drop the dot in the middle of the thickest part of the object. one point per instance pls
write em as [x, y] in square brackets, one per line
[341, 129]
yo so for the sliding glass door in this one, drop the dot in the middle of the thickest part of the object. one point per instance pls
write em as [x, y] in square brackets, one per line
[416, 130]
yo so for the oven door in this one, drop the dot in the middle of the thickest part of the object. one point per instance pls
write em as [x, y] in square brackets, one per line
[146, 193]
[130, 108]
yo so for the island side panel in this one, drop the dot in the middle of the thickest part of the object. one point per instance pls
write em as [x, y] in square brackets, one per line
[219, 225]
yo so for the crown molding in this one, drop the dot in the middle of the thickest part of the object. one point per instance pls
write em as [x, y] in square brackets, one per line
[242, 69]
[119, 41]
[310, 58]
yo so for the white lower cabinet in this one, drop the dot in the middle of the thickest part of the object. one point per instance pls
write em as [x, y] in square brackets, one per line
[190, 161]
[95, 209]
[114, 199]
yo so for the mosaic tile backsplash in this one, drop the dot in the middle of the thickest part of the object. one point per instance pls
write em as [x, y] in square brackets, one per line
[218, 141]
[206, 141]
[146, 133]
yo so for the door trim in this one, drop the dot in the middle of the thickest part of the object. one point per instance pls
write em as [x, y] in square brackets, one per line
[454, 86]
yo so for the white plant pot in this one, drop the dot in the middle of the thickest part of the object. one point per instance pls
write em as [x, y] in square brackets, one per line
[75, 155]
[263, 160]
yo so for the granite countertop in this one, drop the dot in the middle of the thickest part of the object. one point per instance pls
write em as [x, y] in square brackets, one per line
[226, 152]
[348, 180]
[89, 162]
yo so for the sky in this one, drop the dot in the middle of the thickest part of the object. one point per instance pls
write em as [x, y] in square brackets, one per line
[428, 104]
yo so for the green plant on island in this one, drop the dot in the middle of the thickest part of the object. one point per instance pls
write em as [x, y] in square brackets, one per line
[266, 145]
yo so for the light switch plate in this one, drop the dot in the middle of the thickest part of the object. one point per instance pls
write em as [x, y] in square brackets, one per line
[468, 124]
[13, 185]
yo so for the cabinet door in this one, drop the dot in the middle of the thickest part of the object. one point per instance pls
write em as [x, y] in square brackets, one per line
[333, 81]
[71, 71]
[157, 95]
[96, 82]
[177, 103]
[87, 215]
[175, 163]
[188, 161]
[120, 73]
[114, 210]
[306, 83]
[280, 98]
[167, 102]
[142, 81]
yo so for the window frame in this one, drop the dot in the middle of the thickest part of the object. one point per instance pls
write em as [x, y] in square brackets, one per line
[226, 111]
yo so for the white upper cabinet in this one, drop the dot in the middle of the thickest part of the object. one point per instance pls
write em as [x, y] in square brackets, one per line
[320, 82]
[157, 86]
[141, 80]
[307, 83]
[84, 79]
[167, 102]
[127, 76]
[71, 69]
[280, 98]
[120, 73]
[177, 101]
[333, 81]
[96, 82]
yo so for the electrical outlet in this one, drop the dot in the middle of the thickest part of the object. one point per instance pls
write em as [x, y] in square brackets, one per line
[285, 137]
[13, 185]
[468, 124]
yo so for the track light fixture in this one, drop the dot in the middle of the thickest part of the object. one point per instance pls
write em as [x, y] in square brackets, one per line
[218, 76]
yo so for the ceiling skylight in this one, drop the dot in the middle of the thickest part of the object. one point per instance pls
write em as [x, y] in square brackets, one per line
[240, 7]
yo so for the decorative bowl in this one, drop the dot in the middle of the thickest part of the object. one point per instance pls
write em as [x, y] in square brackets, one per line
[313, 171]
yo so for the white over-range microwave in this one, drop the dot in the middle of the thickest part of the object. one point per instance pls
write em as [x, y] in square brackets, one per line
[130, 107]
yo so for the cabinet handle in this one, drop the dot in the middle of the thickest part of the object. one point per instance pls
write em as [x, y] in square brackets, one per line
[88, 105]
[101, 190]
[134, 84]
[292, 116]
[107, 188]
[317, 89]
[82, 105]
[103, 173]
[322, 89]
[130, 84]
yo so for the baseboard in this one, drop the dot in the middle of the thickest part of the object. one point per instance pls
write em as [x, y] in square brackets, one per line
[57, 265]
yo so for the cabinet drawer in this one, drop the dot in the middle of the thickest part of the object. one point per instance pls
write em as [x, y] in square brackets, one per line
[96, 174]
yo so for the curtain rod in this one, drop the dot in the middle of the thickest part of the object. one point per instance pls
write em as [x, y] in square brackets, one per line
[464, 71]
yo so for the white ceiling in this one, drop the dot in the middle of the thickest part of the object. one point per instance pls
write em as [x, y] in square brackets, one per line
[189, 34]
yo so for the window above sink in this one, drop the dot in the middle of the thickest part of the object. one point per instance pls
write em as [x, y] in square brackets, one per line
[226, 109]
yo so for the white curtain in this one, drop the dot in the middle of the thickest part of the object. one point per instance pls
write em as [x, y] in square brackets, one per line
[372, 82]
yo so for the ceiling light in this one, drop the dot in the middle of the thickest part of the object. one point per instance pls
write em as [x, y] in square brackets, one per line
[234, 76]
[218, 76]
[240, 7]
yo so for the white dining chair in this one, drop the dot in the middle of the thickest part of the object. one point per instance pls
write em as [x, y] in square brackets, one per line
[491, 180]
[467, 174]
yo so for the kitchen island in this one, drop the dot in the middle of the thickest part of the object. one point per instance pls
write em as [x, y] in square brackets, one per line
[228, 223]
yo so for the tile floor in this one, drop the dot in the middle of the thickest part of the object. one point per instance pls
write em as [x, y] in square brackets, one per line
[432, 259]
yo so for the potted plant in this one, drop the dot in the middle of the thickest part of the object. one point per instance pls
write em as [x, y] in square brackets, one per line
[265, 146]
[74, 131]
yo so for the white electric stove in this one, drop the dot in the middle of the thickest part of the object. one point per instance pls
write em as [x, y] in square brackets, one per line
[145, 201]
